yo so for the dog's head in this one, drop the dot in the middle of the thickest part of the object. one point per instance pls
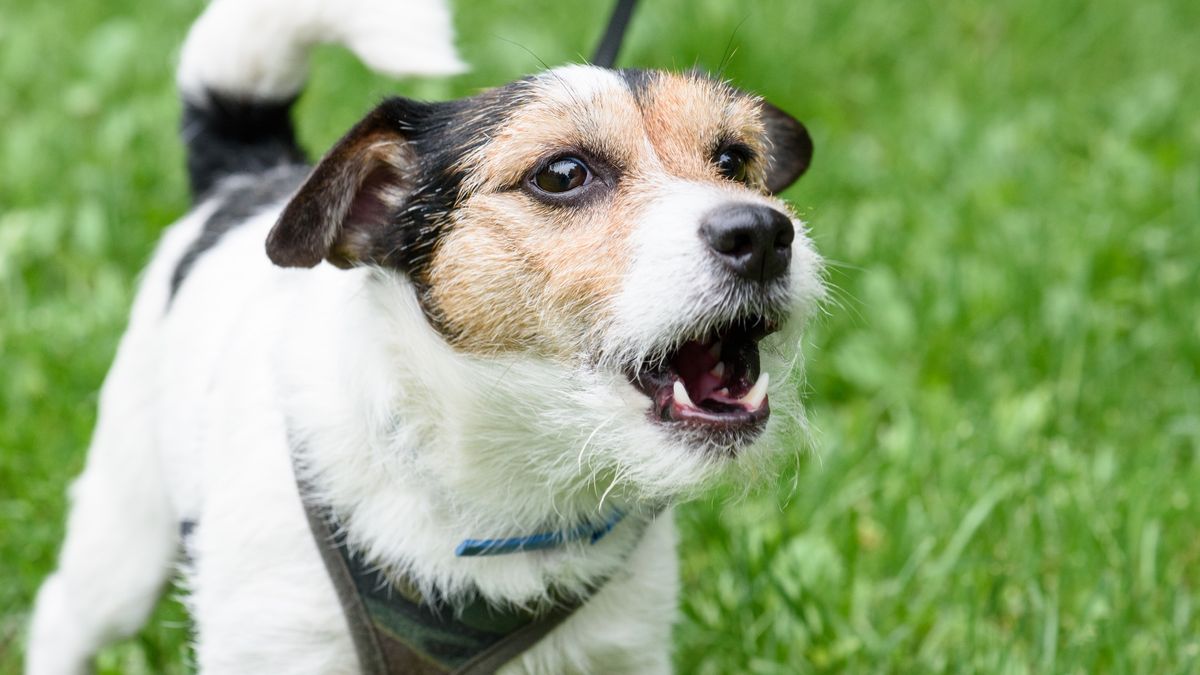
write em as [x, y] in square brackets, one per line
[613, 231]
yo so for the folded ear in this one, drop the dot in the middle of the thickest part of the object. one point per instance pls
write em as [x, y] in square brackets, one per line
[350, 198]
[791, 148]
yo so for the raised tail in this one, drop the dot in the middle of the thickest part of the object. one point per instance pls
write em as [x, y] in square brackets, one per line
[245, 61]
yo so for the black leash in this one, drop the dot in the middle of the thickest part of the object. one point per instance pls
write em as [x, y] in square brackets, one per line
[614, 34]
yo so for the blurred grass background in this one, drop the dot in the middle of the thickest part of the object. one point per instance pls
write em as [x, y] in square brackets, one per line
[1005, 392]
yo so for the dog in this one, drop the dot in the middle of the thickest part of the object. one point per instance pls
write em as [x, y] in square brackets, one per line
[567, 302]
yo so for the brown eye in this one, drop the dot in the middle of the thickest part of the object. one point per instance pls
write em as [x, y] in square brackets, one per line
[561, 175]
[731, 164]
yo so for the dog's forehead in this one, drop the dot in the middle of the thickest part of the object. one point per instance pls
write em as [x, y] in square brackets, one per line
[686, 112]
[633, 118]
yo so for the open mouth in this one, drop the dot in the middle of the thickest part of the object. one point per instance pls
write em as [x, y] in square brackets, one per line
[714, 383]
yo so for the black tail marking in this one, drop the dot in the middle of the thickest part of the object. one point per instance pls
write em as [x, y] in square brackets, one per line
[238, 203]
[225, 136]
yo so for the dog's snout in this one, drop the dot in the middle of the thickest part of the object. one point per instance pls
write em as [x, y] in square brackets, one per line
[753, 241]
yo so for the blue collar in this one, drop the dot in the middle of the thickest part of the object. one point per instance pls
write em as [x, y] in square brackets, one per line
[539, 541]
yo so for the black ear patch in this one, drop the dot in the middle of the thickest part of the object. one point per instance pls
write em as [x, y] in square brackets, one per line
[791, 148]
[348, 200]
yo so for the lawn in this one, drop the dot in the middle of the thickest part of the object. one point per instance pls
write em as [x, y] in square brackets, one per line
[1005, 389]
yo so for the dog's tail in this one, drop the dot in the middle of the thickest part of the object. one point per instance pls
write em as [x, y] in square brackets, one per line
[245, 62]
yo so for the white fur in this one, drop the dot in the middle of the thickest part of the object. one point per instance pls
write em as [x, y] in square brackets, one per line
[249, 349]
[259, 48]
[568, 85]
[121, 545]
[414, 445]
[671, 260]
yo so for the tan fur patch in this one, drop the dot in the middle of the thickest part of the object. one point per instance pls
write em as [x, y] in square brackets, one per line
[514, 273]
[688, 115]
[511, 274]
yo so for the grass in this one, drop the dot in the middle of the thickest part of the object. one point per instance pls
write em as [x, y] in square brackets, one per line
[1006, 390]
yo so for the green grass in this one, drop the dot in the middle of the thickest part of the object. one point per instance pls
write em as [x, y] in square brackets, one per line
[1006, 390]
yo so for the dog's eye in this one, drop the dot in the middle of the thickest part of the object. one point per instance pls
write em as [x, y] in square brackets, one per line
[731, 164]
[562, 175]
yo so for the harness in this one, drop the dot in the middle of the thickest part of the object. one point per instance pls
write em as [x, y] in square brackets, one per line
[395, 629]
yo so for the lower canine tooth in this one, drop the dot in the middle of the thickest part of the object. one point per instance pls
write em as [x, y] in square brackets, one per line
[754, 398]
[681, 395]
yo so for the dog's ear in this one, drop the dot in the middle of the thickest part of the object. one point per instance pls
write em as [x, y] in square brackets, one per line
[791, 148]
[349, 199]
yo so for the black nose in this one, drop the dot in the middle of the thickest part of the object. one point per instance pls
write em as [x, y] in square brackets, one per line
[753, 241]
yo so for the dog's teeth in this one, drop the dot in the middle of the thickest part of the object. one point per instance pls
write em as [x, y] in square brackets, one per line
[715, 350]
[681, 395]
[754, 398]
[718, 370]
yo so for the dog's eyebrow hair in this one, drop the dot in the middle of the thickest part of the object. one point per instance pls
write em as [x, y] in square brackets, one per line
[732, 141]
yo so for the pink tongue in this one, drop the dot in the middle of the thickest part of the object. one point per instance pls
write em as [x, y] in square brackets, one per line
[693, 364]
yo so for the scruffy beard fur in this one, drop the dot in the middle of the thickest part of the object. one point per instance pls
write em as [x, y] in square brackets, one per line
[577, 429]
[440, 348]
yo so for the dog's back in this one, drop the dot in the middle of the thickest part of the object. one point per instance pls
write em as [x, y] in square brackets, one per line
[162, 404]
